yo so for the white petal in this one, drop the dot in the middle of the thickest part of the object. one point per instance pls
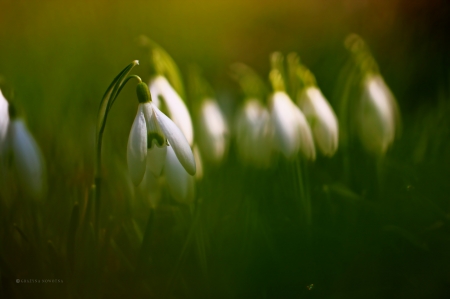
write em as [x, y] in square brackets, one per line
[27, 158]
[377, 115]
[181, 185]
[292, 132]
[177, 141]
[176, 107]
[4, 120]
[322, 120]
[285, 124]
[213, 137]
[156, 157]
[137, 147]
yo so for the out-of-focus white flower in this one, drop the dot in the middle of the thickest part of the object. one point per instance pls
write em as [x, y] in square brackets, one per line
[254, 134]
[292, 132]
[4, 120]
[377, 115]
[213, 131]
[321, 118]
[27, 158]
[151, 134]
[181, 185]
[176, 108]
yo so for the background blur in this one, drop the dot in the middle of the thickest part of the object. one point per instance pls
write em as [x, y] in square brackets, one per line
[58, 57]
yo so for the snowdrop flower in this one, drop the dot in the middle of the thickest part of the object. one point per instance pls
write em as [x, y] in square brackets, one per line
[321, 118]
[254, 134]
[27, 158]
[377, 115]
[178, 112]
[152, 136]
[292, 133]
[213, 137]
[4, 120]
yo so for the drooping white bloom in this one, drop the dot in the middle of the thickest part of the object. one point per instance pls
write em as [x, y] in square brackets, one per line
[377, 115]
[321, 118]
[151, 134]
[27, 158]
[292, 132]
[176, 108]
[4, 120]
[213, 131]
[180, 184]
[254, 134]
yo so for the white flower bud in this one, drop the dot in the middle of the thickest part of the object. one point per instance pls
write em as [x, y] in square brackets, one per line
[292, 132]
[377, 115]
[213, 132]
[321, 118]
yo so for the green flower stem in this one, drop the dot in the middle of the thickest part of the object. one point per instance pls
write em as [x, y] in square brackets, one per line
[105, 105]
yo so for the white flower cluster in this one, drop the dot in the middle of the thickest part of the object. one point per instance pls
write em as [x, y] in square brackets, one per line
[292, 121]
[284, 127]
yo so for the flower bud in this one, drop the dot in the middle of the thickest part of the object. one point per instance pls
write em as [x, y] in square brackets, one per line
[321, 118]
[213, 137]
[292, 132]
[377, 115]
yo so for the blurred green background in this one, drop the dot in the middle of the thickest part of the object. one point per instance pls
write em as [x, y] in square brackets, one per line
[57, 59]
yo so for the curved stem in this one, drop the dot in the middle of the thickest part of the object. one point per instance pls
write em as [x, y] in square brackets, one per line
[105, 105]
[123, 85]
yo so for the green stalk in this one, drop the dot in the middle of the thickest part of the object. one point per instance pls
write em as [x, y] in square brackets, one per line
[105, 105]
